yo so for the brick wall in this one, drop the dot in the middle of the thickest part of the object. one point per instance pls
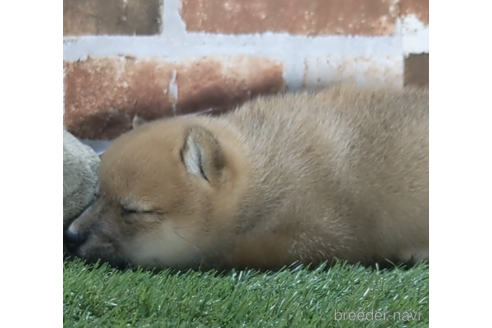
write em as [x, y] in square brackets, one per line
[156, 58]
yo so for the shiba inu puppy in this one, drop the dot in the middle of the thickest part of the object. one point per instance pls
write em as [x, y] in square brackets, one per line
[291, 178]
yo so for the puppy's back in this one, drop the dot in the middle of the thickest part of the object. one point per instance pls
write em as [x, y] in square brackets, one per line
[346, 168]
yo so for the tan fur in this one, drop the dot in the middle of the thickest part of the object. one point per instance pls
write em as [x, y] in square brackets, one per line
[308, 177]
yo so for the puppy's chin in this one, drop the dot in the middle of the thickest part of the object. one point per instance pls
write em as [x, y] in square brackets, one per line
[100, 255]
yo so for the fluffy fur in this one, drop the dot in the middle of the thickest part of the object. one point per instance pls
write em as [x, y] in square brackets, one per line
[305, 177]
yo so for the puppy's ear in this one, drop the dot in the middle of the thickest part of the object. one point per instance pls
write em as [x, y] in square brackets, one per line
[202, 154]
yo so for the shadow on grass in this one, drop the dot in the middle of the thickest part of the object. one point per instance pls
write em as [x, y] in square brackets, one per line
[326, 266]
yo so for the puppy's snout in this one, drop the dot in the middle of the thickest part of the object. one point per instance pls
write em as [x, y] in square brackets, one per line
[73, 239]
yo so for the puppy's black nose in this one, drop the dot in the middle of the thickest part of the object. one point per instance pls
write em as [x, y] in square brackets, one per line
[73, 239]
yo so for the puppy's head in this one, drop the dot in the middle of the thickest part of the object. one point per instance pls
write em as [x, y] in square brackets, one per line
[167, 191]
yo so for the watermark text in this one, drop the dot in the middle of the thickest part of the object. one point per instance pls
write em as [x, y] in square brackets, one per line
[377, 316]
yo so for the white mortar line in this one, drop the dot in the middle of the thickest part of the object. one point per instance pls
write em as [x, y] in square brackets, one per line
[202, 44]
[173, 26]
[173, 92]
[415, 35]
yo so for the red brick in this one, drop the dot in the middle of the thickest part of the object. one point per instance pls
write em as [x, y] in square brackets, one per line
[92, 17]
[419, 8]
[102, 95]
[417, 70]
[307, 17]
[322, 71]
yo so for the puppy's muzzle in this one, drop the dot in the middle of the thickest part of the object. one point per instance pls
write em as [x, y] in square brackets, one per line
[73, 240]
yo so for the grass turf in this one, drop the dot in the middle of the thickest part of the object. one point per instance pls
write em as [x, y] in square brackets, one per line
[103, 297]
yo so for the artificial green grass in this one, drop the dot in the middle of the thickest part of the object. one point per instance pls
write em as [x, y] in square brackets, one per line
[103, 297]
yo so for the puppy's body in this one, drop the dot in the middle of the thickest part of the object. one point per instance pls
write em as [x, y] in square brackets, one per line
[342, 173]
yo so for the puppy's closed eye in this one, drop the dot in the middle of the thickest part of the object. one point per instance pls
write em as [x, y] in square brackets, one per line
[125, 210]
